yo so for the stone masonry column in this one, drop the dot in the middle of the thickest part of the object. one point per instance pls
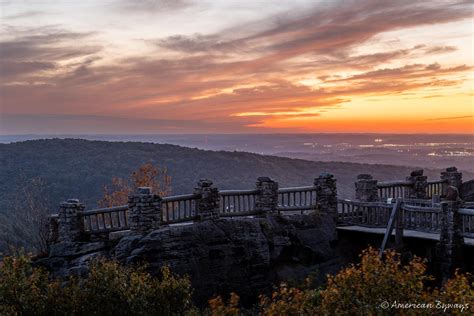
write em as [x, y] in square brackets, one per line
[366, 188]
[452, 178]
[326, 194]
[208, 205]
[144, 212]
[70, 224]
[419, 185]
[267, 199]
[449, 249]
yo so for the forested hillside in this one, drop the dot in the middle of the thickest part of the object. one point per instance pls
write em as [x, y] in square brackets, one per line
[73, 168]
[80, 168]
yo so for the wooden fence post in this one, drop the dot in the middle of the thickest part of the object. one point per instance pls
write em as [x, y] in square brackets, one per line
[391, 223]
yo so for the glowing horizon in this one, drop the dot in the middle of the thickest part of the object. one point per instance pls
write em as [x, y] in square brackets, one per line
[164, 66]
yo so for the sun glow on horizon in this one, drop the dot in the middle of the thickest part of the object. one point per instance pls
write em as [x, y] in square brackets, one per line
[237, 66]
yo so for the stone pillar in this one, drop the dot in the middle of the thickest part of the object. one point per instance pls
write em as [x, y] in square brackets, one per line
[366, 188]
[70, 224]
[452, 178]
[208, 204]
[144, 210]
[267, 199]
[419, 185]
[326, 194]
[449, 249]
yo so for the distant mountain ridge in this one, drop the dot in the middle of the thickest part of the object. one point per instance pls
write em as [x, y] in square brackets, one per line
[80, 168]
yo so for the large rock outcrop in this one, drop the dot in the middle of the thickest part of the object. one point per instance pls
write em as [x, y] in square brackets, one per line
[244, 255]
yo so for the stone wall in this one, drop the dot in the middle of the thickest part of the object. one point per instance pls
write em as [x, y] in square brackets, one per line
[244, 255]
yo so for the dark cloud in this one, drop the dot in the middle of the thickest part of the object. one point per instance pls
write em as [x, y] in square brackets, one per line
[41, 50]
[14, 69]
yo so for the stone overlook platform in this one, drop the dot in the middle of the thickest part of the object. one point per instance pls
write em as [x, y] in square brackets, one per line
[267, 228]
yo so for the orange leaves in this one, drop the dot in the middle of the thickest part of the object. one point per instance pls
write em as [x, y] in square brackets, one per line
[147, 175]
[220, 308]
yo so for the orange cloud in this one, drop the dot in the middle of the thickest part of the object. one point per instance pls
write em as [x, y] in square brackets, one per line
[240, 79]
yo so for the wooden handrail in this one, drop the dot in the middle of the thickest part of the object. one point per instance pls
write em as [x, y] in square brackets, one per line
[183, 197]
[388, 184]
[238, 192]
[414, 208]
[466, 211]
[104, 210]
[296, 189]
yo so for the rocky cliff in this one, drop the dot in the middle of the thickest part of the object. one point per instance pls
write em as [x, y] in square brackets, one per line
[244, 255]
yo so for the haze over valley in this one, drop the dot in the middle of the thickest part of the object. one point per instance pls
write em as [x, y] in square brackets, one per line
[427, 151]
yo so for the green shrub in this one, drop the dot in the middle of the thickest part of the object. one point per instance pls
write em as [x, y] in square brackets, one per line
[109, 289]
[23, 290]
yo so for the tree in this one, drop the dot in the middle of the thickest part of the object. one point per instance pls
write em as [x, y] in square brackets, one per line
[147, 175]
[28, 220]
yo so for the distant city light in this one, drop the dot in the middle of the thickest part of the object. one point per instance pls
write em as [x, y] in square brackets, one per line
[378, 140]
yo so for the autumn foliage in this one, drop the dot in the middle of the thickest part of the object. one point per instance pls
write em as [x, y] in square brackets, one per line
[147, 175]
[113, 289]
[366, 288]
[108, 289]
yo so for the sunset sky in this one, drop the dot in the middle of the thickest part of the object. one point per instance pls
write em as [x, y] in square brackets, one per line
[178, 66]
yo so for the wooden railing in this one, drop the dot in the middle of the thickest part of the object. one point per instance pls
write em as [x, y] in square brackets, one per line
[234, 202]
[421, 202]
[421, 218]
[467, 222]
[183, 208]
[418, 215]
[297, 199]
[105, 219]
[373, 214]
[434, 188]
[399, 189]
[179, 208]
[392, 189]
